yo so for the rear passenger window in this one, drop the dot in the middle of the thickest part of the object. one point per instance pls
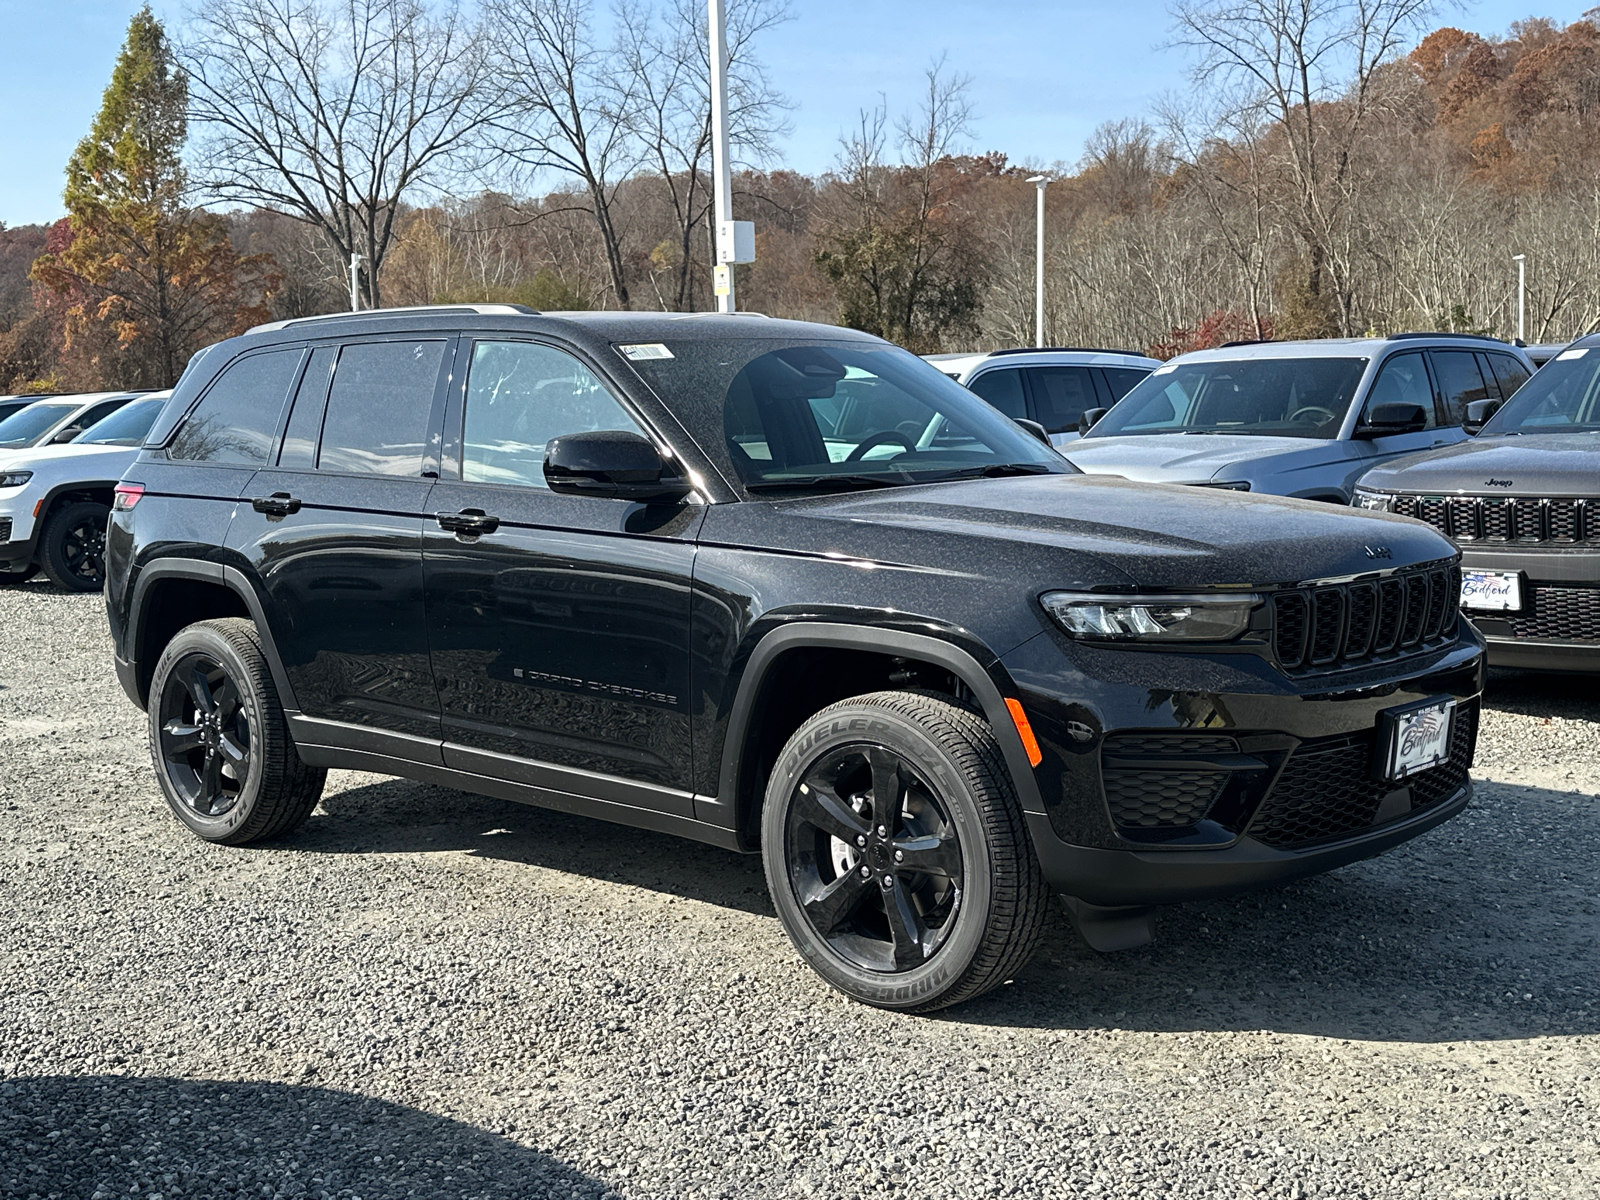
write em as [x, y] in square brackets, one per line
[521, 396]
[305, 418]
[1123, 379]
[378, 407]
[1062, 394]
[1003, 389]
[239, 413]
[1460, 381]
[1509, 372]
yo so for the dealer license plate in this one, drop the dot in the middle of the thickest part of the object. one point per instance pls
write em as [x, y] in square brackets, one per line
[1415, 738]
[1491, 591]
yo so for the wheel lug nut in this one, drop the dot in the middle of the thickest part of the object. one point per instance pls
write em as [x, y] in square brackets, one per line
[883, 831]
[887, 881]
[866, 871]
[861, 839]
[899, 856]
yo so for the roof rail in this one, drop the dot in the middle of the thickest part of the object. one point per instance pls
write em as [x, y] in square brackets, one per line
[487, 310]
[1247, 342]
[1423, 333]
[1065, 350]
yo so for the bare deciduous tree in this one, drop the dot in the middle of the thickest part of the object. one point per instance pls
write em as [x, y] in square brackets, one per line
[335, 112]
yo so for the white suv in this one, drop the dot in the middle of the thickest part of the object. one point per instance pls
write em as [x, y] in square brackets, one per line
[55, 498]
[1054, 387]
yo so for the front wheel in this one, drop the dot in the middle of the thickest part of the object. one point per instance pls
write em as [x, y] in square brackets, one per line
[72, 546]
[219, 741]
[897, 854]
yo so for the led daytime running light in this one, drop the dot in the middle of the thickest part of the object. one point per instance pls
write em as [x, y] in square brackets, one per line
[1202, 618]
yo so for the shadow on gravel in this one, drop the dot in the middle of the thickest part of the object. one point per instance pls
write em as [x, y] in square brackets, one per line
[1486, 929]
[115, 1136]
[398, 816]
[1543, 694]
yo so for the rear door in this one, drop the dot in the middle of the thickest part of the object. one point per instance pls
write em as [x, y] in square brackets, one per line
[560, 633]
[333, 528]
[1461, 381]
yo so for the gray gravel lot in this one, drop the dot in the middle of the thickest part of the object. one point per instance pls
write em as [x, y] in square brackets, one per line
[430, 994]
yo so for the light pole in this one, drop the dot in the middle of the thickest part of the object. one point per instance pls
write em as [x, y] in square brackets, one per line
[1522, 295]
[1039, 182]
[736, 240]
[355, 283]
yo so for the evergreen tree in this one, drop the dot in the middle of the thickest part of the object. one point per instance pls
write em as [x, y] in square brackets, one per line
[161, 277]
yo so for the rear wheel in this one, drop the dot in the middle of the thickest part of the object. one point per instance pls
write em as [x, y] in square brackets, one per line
[72, 546]
[218, 739]
[897, 855]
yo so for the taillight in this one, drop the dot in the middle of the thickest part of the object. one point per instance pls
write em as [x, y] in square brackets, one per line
[126, 495]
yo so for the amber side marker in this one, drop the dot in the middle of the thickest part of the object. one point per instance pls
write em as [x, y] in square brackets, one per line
[1024, 731]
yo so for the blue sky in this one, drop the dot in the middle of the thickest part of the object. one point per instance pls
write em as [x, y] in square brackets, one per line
[1044, 74]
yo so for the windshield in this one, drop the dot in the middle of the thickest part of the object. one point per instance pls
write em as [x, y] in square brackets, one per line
[1562, 397]
[125, 427]
[836, 414]
[1277, 397]
[24, 428]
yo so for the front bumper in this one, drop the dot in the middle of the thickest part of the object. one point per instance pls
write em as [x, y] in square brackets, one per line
[1558, 627]
[16, 529]
[1269, 776]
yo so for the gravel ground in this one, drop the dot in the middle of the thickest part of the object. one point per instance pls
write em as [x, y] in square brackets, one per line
[430, 994]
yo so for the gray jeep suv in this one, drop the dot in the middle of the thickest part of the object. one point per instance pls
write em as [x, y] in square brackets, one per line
[1300, 419]
[1522, 500]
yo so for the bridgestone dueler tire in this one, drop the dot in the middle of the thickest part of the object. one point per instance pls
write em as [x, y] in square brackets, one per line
[279, 791]
[58, 538]
[1001, 915]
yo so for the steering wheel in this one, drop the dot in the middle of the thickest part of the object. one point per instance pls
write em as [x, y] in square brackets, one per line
[1326, 415]
[882, 437]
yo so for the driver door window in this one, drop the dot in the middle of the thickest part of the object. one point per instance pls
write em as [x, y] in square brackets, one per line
[520, 397]
[1403, 379]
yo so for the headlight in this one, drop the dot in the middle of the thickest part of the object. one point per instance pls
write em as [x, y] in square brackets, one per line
[14, 478]
[1374, 501]
[1210, 618]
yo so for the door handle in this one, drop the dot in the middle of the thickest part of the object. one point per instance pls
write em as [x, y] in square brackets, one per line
[279, 504]
[469, 522]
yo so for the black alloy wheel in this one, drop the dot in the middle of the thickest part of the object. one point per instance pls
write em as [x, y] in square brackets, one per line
[875, 858]
[72, 546]
[219, 739]
[897, 854]
[204, 735]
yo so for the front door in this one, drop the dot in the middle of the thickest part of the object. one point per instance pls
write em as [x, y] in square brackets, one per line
[333, 528]
[559, 624]
[1403, 379]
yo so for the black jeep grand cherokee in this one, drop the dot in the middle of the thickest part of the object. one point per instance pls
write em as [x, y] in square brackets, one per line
[782, 587]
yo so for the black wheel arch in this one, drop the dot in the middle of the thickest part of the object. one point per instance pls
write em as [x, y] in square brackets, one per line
[67, 493]
[738, 802]
[172, 593]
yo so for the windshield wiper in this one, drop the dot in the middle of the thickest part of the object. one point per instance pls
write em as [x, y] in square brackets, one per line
[813, 482]
[990, 471]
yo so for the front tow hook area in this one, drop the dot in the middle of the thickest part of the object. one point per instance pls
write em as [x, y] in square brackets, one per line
[1108, 929]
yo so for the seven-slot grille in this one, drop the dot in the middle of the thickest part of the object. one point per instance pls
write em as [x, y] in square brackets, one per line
[1535, 519]
[1340, 624]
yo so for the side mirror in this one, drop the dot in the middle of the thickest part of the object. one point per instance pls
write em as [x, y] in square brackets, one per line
[1478, 414]
[612, 463]
[1089, 419]
[1036, 429]
[1385, 419]
[66, 435]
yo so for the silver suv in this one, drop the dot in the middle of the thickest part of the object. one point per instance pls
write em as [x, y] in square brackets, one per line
[1300, 419]
[1054, 387]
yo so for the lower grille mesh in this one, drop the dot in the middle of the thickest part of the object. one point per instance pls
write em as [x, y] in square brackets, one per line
[5, 529]
[1327, 791]
[1559, 613]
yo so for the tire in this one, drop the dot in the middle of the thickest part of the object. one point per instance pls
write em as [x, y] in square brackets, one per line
[18, 574]
[233, 777]
[72, 546]
[926, 905]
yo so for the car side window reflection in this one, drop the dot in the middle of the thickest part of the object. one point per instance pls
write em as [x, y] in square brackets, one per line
[1003, 389]
[1403, 379]
[520, 397]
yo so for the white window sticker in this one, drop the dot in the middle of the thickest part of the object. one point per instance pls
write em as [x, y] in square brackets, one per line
[643, 351]
[1566, 354]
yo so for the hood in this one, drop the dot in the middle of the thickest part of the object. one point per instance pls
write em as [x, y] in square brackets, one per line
[1083, 528]
[42, 455]
[1532, 464]
[1188, 457]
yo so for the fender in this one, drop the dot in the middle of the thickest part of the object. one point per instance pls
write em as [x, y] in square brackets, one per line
[50, 498]
[235, 581]
[958, 661]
